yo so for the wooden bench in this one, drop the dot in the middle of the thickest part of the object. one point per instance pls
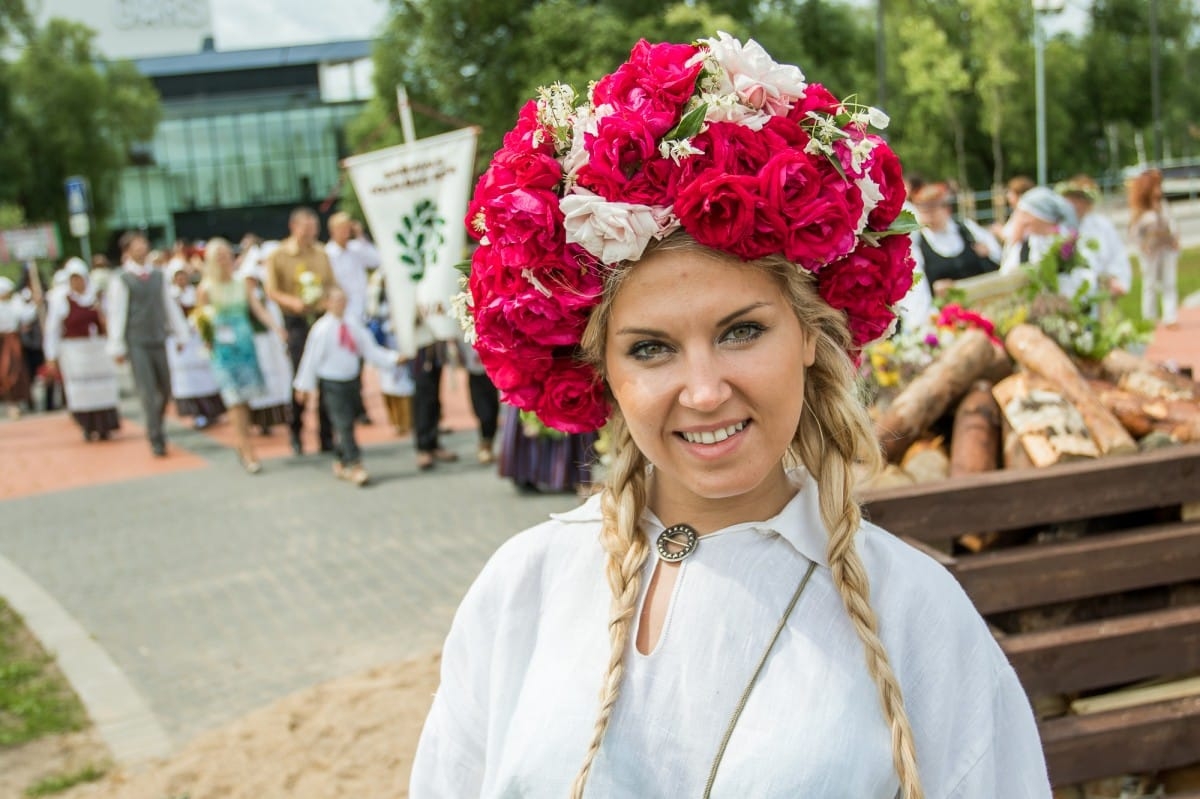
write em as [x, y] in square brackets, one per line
[1132, 569]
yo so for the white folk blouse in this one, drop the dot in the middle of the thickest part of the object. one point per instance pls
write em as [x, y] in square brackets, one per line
[524, 660]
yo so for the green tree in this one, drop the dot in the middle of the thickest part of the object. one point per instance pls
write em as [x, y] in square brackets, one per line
[73, 113]
[936, 85]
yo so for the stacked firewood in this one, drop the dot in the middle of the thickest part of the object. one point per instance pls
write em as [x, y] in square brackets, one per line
[983, 405]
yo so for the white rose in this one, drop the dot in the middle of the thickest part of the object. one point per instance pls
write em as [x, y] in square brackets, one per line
[756, 78]
[613, 232]
[871, 195]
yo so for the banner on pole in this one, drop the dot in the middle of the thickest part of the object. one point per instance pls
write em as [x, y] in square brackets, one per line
[415, 197]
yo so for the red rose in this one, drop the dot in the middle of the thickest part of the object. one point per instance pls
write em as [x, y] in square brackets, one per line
[866, 283]
[616, 151]
[728, 147]
[728, 213]
[573, 398]
[885, 170]
[815, 208]
[656, 184]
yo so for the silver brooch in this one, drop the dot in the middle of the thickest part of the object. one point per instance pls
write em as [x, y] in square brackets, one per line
[677, 542]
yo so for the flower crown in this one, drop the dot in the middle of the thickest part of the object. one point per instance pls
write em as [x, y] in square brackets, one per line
[714, 138]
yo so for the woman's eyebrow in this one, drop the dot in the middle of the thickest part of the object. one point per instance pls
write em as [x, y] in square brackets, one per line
[724, 320]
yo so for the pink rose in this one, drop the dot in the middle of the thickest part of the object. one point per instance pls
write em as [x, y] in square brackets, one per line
[754, 76]
[525, 226]
[654, 83]
[530, 135]
[510, 170]
[816, 98]
[867, 283]
[728, 213]
[573, 398]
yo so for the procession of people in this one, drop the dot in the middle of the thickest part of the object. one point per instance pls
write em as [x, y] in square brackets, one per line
[219, 334]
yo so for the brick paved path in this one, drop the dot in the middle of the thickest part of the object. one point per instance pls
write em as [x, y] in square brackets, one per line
[216, 592]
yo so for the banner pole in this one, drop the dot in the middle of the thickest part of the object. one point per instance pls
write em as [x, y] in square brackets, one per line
[406, 117]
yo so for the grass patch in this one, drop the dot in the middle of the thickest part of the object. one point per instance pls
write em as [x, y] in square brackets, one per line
[1189, 283]
[57, 783]
[35, 700]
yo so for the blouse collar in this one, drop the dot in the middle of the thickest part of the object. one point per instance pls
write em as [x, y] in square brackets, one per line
[799, 522]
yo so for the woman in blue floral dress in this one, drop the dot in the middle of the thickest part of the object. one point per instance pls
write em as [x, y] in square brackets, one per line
[225, 304]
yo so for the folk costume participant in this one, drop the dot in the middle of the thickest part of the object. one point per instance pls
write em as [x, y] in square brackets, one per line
[229, 301]
[1043, 218]
[140, 313]
[946, 249]
[719, 621]
[75, 349]
[298, 278]
[15, 313]
[274, 406]
[1100, 235]
[193, 382]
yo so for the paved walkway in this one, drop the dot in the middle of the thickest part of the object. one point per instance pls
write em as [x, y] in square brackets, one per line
[213, 592]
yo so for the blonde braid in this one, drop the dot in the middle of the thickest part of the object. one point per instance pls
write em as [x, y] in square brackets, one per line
[622, 503]
[828, 450]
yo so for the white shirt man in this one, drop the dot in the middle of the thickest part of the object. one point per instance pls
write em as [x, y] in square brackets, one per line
[352, 259]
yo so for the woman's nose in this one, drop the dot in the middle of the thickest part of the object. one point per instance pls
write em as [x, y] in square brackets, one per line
[705, 387]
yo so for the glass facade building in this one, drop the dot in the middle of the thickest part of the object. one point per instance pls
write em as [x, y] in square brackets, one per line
[245, 137]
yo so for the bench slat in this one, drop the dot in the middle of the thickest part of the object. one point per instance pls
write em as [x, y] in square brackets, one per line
[1106, 653]
[1014, 499]
[1164, 735]
[1040, 574]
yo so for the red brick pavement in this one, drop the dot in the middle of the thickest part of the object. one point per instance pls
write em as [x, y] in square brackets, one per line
[46, 452]
[1180, 345]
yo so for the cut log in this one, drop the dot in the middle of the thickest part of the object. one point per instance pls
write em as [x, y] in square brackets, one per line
[1125, 405]
[1050, 429]
[975, 443]
[1015, 456]
[1037, 352]
[927, 397]
[926, 460]
[1141, 376]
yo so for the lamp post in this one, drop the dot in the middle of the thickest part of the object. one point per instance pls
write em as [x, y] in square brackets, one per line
[1041, 7]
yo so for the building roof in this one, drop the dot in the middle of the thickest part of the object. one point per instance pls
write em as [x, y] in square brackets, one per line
[210, 61]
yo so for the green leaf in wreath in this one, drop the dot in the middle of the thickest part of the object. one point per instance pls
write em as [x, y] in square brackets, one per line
[690, 124]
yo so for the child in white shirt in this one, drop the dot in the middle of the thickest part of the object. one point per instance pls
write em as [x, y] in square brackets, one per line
[330, 363]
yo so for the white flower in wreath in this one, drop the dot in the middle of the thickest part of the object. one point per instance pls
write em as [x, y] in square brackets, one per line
[871, 196]
[613, 232]
[756, 78]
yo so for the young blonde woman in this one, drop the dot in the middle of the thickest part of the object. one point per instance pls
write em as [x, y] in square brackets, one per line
[230, 301]
[692, 255]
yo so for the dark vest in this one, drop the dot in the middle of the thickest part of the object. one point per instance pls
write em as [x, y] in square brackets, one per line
[146, 320]
[967, 263]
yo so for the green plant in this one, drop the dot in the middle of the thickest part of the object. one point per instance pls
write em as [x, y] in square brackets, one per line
[57, 783]
[35, 700]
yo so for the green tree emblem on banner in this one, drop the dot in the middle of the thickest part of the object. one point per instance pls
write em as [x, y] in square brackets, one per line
[419, 237]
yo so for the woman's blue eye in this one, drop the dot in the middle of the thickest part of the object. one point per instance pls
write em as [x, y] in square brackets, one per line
[744, 331]
[645, 350]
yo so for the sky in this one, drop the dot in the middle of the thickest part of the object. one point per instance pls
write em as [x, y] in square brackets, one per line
[247, 24]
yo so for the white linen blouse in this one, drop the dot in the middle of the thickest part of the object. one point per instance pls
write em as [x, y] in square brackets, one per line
[524, 660]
